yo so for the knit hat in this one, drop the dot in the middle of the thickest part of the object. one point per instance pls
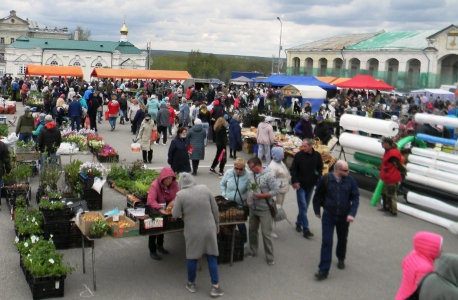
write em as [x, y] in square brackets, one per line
[62, 96]
[226, 117]
[197, 122]
[147, 116]
[42, 117]
[48, 118]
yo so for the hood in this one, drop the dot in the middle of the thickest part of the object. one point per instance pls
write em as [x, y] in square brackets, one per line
[215, 103]
[427, 244]
[50, 125]
[197, 128]
[186, 181]
[447, 267]
[167, 172]
[163, 106]
[277, 154]
[233, 121]
[114, 102]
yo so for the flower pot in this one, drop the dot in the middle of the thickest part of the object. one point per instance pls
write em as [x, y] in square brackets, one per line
[95, 236]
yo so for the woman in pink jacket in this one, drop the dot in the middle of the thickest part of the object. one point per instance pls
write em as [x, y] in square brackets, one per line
[163, 190]
[427, 247]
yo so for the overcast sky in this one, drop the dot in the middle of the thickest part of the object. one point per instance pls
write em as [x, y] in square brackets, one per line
[234, 27]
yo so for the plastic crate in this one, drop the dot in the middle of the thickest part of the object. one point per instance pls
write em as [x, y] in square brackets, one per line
[225, 255]
[86, 183]
[62, 215]
[93, 199]
[225, 239]
[74, 237]
[46, 287]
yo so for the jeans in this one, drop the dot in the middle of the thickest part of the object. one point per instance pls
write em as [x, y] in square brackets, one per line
[99, 116]
[76, 119]
[328, 222]
[303, 201]
[4, 89]
[26, 137]
[152, 242]
[46, 158]
[264, 149]
[212, 268]
[170, 129]
[263, 218]
[205, 127]
[112, 121]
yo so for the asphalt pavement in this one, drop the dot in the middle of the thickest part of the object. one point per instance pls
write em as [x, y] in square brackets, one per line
[124, 270]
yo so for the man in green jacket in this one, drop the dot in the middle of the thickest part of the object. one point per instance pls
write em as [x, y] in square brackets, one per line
[25, 126]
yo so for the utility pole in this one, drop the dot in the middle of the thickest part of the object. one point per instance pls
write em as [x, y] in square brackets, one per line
[273, 59]
[279, 48]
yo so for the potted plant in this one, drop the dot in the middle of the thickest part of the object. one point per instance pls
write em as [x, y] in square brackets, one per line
[49, 176]
[107, 154]
[21, 173]
[91, 170]
[28, 221]
[71, 172]
[54, 210]
[98, 229]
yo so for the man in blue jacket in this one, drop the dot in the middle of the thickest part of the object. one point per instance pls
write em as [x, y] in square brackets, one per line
[75, 111]
[338, 193]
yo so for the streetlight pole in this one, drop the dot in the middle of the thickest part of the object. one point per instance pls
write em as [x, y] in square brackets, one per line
[273, 60]
[279, 48]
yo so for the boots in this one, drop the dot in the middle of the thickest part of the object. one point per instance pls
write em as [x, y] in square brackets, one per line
[121, 121]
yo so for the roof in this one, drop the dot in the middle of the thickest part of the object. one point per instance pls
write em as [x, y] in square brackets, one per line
[242, 79]
[140, 74]
[53, 71]
[440, 31]
[55, 44]
[338, 42]
[398, 40]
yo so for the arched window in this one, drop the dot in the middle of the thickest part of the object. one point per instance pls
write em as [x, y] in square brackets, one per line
[54, 63]
[76, 64]
[98, 65]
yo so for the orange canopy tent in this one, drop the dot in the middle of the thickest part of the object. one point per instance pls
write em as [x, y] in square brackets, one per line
[140, 74]
[326, 79]
[54, 71]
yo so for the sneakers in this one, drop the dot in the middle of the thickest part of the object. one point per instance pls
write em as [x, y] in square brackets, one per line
[298, 228]
[163, 144]
[341, 265]
[321, 276]
[162, 250]
[216, 292]
[220, 175]
[249, 254]
[212, 171]
[170, 136]
[274, 235]
[155, 143]
[154, 256]
[191, 287]
[271, 262]
[308, 234]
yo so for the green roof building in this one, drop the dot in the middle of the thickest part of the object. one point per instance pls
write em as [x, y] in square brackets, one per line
[405, 59]
[87, 54]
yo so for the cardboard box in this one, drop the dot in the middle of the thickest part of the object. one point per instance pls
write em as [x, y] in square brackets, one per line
[248, 146]
[116, 232]
[85, 226]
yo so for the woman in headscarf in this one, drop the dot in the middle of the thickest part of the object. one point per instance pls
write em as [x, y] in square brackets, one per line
[196, 204]
[139, 116]
[282, 175]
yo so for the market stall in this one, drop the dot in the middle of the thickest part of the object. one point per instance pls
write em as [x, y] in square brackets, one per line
[364, 82]
[140, 74]
[444, 95]
[314, 94]
[241, 80]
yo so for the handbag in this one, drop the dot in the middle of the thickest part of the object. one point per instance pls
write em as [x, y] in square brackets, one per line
[238, 146]
[416, 294]
[154, 135]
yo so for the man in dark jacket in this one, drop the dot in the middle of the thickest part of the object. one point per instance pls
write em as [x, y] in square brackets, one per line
[92, 105]
[322, 131]
[25, 126]
[5, 165]
[75, 111]
[341, 200]
[48, 141]
[162, 121]
[306, 169]
[122, 108]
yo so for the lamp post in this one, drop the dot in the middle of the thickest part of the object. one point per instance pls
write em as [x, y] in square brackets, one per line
[273, 60]
[279, 48]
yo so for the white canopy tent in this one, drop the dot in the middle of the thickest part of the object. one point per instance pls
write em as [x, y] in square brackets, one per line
[241, 80]
[314, 94]
[435, 93]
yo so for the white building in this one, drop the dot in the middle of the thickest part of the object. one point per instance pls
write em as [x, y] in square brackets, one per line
[406, 59]
[87, 54]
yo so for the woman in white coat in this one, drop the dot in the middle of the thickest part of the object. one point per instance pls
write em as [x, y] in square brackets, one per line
[144, 137]
[281, 173]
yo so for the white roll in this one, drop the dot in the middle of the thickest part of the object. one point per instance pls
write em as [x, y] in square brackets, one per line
[425, 216]
[431, 182]
[361, 143]
[432, 204]
[436, 120]
[436, 154]
[370, 125]
[432, 173]
[432, 163]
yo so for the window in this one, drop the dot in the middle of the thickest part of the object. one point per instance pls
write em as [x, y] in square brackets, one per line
[22, 68]
[54, 63]
[2, 40]
[12, 40]
[76, 64]
[98, 65]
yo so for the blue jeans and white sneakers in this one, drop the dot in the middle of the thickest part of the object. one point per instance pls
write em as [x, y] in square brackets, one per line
[303, 201]
[212, 268]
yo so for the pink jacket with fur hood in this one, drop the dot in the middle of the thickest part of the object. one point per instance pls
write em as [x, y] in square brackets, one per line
[427, 247]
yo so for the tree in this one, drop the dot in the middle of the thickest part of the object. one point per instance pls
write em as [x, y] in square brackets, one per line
[83, 34]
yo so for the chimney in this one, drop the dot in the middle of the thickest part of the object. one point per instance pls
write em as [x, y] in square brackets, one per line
[12, 13]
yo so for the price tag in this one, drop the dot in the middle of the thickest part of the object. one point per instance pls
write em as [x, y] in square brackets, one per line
[153, 223]
[57, 285]
[116, 218]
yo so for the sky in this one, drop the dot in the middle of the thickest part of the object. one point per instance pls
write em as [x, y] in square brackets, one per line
[237, 27]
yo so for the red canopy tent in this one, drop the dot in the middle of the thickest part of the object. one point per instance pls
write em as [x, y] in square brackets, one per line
[364, 82]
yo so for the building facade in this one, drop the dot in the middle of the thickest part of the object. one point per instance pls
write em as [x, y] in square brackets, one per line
[407, 60]
[13, 27]
[86, 54]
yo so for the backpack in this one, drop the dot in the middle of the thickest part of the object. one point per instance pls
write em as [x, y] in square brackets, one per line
[15, 86]
[416, 295]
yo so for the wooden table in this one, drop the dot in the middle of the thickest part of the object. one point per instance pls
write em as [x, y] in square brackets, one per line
[92, 241]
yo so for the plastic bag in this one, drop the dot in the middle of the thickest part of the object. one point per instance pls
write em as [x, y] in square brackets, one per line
[67, 148]
[135, 147]
[98, 184]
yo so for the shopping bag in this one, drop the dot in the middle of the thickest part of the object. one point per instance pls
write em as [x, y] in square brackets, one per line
[221, 156]
[154, 135]
[87, 123]
[106, 116]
